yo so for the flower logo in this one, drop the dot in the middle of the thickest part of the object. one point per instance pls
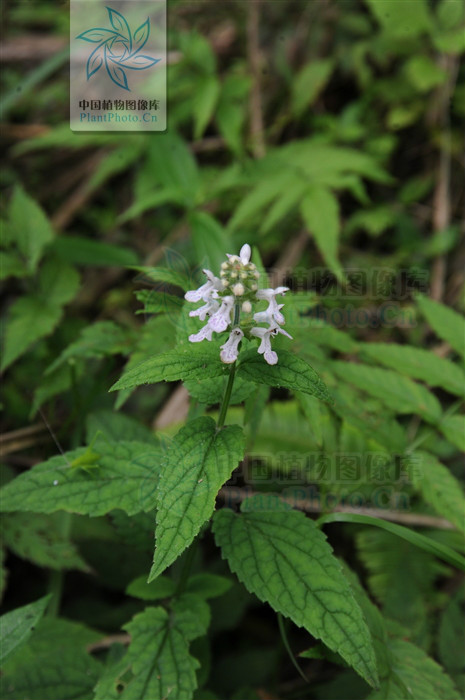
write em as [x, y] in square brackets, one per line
[118, 48]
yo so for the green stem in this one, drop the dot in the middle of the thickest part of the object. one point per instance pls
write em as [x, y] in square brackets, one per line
[227, 396]
[287, 646]
[183, 579]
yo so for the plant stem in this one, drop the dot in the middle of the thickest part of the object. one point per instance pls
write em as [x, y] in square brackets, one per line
[56, 580]
[183, 579]
[232, 372]
[227, 396]
[287, 646]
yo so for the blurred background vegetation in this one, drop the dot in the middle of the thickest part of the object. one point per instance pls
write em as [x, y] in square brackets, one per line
[327, 133]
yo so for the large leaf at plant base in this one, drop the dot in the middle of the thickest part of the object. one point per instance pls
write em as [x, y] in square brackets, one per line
[399, 393]
[320, 212]
[29, 227]
[186, 362]
[39, 538]
[438, 487]
[198, 462]
[17, 626]
[158, 664]
[445, 322]
[418, 364]
[282, 557]
[89, 481]
[291, 372]
[453, 429]
[53, 664]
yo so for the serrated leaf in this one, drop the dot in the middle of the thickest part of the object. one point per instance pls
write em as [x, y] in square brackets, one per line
[163, 274]
[451, 636]
[414, 675]
[158, 664]
[58, 282]
[453, 429]
[18, 625]
[117, 427]
[418, 364]
[198, 462]
[158, 302]
[124, 476]
[29, 320]
[282, 557]
[291, 372]
[211, 391]
[208, 585]
[30, 227]
[53, 664]
[39, 538]
[10, 264]
[95, 341]
[399, 393]
[438, 487]
[445, 322]
[320, 213]
[187, 362]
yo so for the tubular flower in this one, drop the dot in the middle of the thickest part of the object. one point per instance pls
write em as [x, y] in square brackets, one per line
[234, 293]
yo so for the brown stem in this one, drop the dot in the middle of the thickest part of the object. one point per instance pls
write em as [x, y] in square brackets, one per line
[253, 59]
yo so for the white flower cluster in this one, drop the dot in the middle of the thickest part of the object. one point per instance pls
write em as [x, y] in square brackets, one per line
[232, 294]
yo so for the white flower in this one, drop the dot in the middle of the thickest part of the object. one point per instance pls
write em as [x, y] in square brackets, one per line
[230, 349]
[273, 309]
[204, 333]
[204, 292]
[222, 318]
[243, 257]
[238, 289]
[207, 309]
[265, 346]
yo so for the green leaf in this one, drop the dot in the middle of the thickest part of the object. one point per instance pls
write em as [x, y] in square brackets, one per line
[453, 429]
[207, 91]
[445, 322]
[158, 664]
[283, 558]
[451, 637]
[423, 73]
[58, 282]
[311, 409]
[10, 264]
[198, 462]
[291, 372]
[399, 393]
[309, 82]
[438, 487]
[158, 302]
[429, 545]
[53, 664]
[95, 341]
[418, 364]
[211, 241]
[186, 362]
[401, 20]
[86, 251]
[30, 227]
[39, 538]
[211, 391]
[162, 587]
[117, 427]
[124, 475]
[320, 212]
[208, 585]
[29, 320]
[18, 625]
[163, 274]
[414, 675]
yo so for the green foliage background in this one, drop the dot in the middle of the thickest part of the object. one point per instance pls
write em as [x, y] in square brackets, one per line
[329, 136]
